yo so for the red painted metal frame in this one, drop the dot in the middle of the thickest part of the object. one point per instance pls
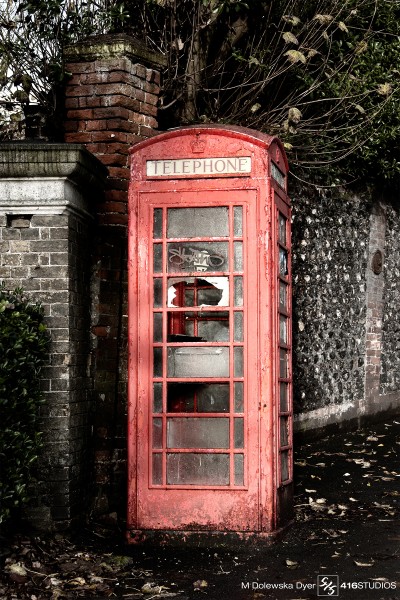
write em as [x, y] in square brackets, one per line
[263, 503]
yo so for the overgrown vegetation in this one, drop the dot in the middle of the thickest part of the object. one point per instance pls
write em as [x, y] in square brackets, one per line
[321, 74]
[23, 352]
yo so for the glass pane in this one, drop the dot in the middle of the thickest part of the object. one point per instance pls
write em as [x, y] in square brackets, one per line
[238, 361]
[157, 293]
[283, 366]
[198, 362]
[239, 402]
[157, 433]
[282, 229]
[239, 433]
[198, 222]
[283, 392]
[284, 466]
[282, 294]
[157, 223]
[238, 291]
[157, 469]
[238, 256]
[157, 397]
[284, 431]
[193, 291]
[157, 356]
[216, 329]
[197, 469]
[157, 327]
[197, 256]
[239, 469]
[198, 397]
[238, 221]
[200, 432]
[157, 258]
[283, 262]
[238, 332]
[283, 322]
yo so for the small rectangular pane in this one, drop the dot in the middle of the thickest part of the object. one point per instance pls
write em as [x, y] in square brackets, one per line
[198, 222]
[284, 466]
[157, 397]
[239, 401]
[283, 364]
[284, 424]
[238, 291]
[238, 361]
[237, 221]
[283, 294]
[157, 433]
[283, 262]
[157, 301]
[190, 468]
[282, 229]
[198, 362]
[197, 256]
[157, 223]
[157, 468]
[238, 330]
[239, 433]
[198, 397]
[157, 357]
[239, 469]
[283, 393]
[197, 432]
[238, 256]
[157, 327]
[157, 258]
[283, 333]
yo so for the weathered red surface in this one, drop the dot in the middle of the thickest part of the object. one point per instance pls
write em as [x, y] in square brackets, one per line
[244, 172]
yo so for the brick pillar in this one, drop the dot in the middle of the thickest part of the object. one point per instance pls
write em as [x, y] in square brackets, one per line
[375, 302]
[111, 102]
[47, 197]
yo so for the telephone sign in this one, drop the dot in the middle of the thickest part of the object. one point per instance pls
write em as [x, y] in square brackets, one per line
[210, 400]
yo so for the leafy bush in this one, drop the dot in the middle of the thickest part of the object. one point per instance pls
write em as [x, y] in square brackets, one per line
[23, 351]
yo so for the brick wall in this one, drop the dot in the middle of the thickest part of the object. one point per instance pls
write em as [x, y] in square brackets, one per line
[111, 102]
[46, 192]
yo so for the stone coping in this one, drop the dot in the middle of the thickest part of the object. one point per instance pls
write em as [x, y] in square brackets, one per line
[25, 160]
[114, 45]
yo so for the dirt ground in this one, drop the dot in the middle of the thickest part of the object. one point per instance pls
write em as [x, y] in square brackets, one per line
[344, 543]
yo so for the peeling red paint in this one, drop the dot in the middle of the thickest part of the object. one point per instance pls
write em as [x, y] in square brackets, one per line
[210, 431]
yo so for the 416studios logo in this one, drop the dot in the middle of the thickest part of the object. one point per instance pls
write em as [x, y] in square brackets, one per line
[328, 586]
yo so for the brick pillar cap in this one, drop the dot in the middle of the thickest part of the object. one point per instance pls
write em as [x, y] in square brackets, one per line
[114, 45]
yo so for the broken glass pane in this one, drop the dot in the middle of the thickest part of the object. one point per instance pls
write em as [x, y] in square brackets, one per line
[193, 291]
[198, 397]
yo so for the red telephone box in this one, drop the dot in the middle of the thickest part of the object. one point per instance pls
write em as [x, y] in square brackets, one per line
[210, 412]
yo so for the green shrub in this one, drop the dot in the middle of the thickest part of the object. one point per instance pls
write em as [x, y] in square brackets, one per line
[23, 352]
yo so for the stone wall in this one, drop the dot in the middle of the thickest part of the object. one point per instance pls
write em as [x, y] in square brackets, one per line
[47, 202]
[345, 322]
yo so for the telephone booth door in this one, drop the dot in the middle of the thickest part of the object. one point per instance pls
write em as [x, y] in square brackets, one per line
[201, 453]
